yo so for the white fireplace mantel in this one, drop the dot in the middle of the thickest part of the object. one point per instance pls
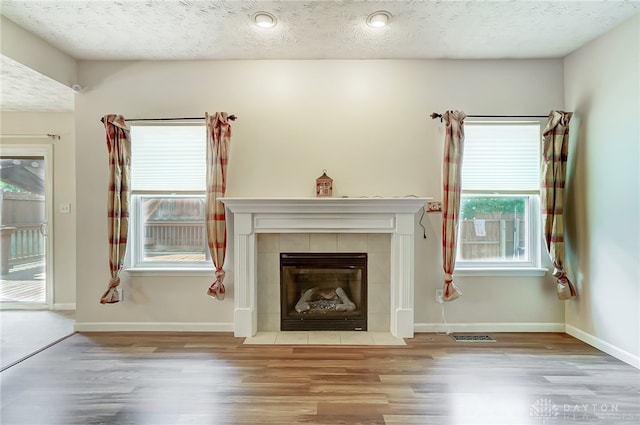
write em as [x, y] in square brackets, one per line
[324, 215]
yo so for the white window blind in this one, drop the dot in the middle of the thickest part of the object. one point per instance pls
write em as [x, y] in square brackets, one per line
[168, 158]
[501, 157]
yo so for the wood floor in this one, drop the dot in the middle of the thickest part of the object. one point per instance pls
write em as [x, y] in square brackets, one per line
[197, 378]
[24, 284]
[23, 332]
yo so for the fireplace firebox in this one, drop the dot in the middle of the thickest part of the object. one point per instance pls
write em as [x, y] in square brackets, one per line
[323, 291]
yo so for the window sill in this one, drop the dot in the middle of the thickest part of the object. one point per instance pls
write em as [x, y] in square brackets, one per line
[522, 271]
[163, 272]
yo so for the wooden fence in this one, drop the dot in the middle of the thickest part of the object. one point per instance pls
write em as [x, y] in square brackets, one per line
[496, 238]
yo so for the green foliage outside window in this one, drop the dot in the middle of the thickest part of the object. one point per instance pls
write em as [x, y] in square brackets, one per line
[8, 187]
[480, 207]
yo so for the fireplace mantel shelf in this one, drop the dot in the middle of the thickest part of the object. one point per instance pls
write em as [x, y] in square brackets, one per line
[316, 205]
[324, 215]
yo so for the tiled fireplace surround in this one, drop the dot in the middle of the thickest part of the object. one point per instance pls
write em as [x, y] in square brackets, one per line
[376, 245]
[384, 228]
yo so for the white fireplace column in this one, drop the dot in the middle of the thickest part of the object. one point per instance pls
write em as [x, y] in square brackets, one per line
[402, 275]
[245, 316]
[324, 215]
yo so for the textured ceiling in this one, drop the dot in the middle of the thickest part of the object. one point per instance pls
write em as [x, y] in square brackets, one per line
[321, 29]
[197, 29]
[24, 89]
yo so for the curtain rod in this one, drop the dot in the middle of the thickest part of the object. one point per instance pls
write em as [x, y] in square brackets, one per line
[230, 117]
[435, 115]
[31, 136]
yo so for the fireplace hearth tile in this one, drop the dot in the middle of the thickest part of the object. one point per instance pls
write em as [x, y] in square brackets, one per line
[385, 338]
[324, 338]
[262, 338]
[294, 337]
[356, 338]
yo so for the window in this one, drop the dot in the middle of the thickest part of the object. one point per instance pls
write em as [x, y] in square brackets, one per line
[168, 197]
[499, 200]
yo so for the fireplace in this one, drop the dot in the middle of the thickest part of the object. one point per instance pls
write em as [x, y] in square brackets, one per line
[323, 291]
[252, 216]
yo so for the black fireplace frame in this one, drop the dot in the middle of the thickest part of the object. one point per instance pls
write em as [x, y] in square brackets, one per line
[293, 321]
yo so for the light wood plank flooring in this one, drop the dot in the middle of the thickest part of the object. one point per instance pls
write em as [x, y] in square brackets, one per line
[204, 379]
[24, 284]
[23, 332]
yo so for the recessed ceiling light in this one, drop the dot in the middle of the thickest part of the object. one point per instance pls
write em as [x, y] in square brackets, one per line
[378, 19]
[264, 20]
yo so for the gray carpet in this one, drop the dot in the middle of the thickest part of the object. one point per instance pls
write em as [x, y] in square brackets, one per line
[23, 332]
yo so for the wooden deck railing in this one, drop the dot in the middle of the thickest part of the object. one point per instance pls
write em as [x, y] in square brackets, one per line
[186, 236]
[21, 244]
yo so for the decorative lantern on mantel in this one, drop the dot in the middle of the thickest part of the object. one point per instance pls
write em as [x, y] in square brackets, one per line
[324, 185]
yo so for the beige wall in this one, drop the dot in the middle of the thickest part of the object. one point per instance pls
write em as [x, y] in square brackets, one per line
[64, 189]
[32, 51]
[602, 82]
[366, 122]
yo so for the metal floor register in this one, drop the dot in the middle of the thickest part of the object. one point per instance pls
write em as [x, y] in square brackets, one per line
[473, 338]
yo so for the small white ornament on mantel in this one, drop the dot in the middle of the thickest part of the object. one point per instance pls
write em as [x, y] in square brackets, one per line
[324, 186]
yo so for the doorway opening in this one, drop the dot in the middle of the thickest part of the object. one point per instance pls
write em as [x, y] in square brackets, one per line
[24, 214]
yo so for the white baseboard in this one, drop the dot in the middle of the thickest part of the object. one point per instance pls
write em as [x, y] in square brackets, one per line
[601, 345]
[152, 327]
[23, 306]
[64, 306]
[489, 327]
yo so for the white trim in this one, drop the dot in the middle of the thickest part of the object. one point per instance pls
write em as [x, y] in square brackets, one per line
[152, 327]
[587, 338]
[51, 137]
[601, 345]
[23, 306]
[324, 215]
[175, 272]
[228, 327]
[46, 151]
[43, 306]
[398, 205]
[134, 257]
[489, 327]
[532, 235]
[523, 271]
[64, 306]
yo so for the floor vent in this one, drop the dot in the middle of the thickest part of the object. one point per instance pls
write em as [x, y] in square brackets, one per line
[473, 338]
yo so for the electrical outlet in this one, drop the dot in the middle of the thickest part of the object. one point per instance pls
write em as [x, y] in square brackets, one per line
[439, 299]
[434, 206]
[120, 292]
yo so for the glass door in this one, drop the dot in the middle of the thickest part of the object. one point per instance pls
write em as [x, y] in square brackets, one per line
[23, 227]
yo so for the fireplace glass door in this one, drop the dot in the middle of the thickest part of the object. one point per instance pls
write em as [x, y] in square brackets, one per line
[323, 291]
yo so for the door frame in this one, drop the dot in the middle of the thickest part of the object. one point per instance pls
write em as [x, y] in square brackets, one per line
[28, 148]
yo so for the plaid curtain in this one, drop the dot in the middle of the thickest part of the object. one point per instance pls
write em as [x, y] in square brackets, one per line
[555, 144]
[452, 168]
[218, 139]
[119, 148]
